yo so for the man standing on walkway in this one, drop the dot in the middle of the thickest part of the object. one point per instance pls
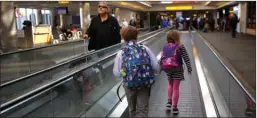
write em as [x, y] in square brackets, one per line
[104, 29]
[233, 22]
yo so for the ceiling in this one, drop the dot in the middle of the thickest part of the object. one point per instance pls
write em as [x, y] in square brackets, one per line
[144, 5]
[138, 5]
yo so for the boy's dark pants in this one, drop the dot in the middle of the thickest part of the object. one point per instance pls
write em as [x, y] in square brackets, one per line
[138, 101]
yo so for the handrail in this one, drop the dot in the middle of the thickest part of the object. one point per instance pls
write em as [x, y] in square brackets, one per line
[232, 71]
[67, 75]
[51, 45]
[57, 65]
[35, 48]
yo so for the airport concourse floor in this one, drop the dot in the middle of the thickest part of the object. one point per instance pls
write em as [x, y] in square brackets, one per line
[239, 51]
[21, 64]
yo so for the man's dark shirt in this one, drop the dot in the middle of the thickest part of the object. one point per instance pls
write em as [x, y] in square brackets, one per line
[103, 34]
[233, 22]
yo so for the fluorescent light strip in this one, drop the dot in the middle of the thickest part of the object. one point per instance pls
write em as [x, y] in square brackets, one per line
[207, 100]
[146, 4]
[165, 2]
[207, 3]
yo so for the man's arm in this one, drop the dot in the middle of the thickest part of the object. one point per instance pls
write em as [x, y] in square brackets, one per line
[89, 30]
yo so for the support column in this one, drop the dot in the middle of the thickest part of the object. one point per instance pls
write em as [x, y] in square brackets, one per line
[8, 26]
[215, 17]
[61, 20]
[242, 14]
[52, 17]
[117, 14]
[84, 16]
[148, 19]
[39, 16]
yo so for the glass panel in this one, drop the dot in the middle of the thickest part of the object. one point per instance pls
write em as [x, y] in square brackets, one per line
[20, 17]
[14, 66]
[28, 13]
[17, 65]
[86, 88]
[39, 106]
[11, 92]
[72, 97]
[236, 100]
[41, 59]
[68, 99]
[36, 16]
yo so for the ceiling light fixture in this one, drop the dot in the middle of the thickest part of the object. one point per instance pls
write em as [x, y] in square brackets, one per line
[207, 3]
[165, 2]
[146, 4]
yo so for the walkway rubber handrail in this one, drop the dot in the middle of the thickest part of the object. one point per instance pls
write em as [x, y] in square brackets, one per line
[232, 71]
[67, 75]
[35, 48]
[83, 55]
[51, 45]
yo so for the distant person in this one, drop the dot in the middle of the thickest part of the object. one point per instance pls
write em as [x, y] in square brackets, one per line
[72, 28]
[224, 24]
[211, 23]
[104, 29]
[165, 23]
[132, 22]
[138, 23]
[172, 56]
[124, 23]
[137, 65]
[206, 26]
[233, 24]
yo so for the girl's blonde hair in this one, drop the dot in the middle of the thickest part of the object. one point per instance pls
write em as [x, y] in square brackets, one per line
[173, 36]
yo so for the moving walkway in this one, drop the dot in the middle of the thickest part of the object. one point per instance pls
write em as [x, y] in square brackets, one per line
[212, 90]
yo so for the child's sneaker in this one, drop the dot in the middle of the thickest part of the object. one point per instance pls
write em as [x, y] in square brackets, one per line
[168, 104]
[175, 111]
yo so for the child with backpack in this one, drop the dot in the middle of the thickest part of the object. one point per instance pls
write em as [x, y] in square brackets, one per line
[171, 62]
[137, 65]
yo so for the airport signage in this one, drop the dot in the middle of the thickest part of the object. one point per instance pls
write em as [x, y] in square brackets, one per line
[173, 8]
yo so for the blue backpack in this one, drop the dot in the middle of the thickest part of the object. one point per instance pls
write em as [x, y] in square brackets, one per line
[137, 67]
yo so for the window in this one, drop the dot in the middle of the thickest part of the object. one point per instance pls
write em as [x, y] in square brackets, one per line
[46, 17]
[20, 17]
[23, 14]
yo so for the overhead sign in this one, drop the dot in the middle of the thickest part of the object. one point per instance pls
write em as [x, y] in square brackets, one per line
[64, 2]
[172, 8]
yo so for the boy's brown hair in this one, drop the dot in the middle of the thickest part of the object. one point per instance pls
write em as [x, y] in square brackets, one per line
[129, 33]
